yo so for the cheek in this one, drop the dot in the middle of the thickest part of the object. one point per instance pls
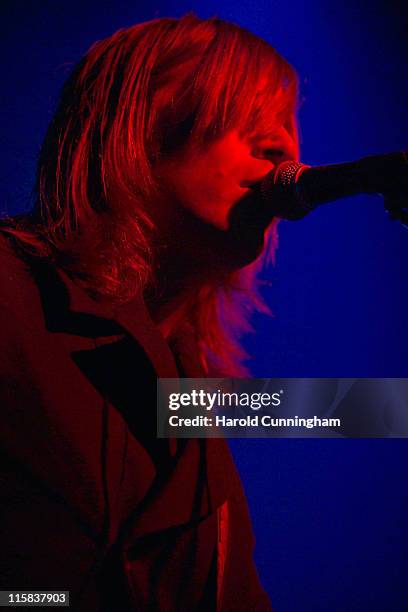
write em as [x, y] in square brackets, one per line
[208, 203]
[208, 184]
[209, 192]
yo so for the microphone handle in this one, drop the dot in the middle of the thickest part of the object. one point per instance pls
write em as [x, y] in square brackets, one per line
[294, 189]
[382, 174]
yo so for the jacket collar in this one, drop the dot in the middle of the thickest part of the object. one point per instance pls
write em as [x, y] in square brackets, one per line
[132, 316]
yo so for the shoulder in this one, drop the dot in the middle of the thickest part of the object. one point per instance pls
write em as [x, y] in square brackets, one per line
[18, 289]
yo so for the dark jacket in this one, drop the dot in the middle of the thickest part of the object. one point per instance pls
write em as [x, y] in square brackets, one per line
[91, 501]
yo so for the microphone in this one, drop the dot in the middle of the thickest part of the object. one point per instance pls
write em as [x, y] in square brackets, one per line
[293, 189]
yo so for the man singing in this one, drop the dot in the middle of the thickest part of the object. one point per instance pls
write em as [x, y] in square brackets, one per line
[138, 261]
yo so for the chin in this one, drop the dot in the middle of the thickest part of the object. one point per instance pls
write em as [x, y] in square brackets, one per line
[209, 247]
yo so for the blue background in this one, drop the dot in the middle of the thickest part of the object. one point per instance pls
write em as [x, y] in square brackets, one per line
[330, 515]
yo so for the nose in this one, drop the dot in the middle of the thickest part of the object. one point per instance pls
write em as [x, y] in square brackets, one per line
[268, 152]
[277, 148]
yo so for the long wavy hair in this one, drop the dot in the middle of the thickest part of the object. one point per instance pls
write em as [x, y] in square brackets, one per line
[133, 99]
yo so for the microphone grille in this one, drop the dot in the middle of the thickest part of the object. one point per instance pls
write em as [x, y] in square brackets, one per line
[280, 192]
[288, 172]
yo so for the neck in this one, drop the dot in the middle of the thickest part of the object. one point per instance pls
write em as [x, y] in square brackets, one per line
[189, 256]
[175, 293]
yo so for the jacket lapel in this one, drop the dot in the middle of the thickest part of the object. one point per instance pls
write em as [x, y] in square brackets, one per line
[131, 496]
[133, 317]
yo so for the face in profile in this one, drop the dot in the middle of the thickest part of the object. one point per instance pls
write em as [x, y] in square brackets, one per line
[210, 182]
[211, 188]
